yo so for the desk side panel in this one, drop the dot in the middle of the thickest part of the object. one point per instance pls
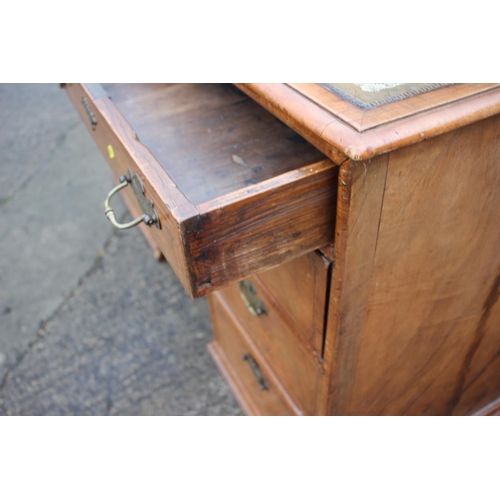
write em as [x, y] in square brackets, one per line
[417, 324]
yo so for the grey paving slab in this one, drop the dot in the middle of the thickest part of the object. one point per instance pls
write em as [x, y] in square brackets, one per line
[129, 341]
[90, 323]
[34, 119]
[51, 225]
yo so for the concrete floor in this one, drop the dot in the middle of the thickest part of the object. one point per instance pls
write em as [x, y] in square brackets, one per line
[90, 322]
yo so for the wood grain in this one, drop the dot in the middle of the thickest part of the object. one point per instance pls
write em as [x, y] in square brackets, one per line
[170, 204]
[413, 313]
[231, 344]
[243, 398]
[362, 120]
[211, 139]
[328, 251]
[337, 139]
[262, 226]
[299, 290]
[259, 211]
[361, 194]
[299, 113]
[417, 323]
[479, 377]
[290, 360]
[491, 409]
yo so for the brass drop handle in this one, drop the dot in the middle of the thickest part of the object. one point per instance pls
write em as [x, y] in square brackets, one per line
[110, 214]
[249, 296]
[256, 371]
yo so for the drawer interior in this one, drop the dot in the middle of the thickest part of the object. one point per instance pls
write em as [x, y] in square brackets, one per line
[210, 138]
[235, 190]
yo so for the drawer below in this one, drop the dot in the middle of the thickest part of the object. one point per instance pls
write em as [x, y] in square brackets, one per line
[299, 289]
[234, 359]
[290, 358]
[236, 191]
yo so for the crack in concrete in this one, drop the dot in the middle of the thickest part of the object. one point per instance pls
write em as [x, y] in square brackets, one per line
[28, 176]
[45, 322]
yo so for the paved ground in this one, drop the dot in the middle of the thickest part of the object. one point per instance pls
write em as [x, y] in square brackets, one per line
[90, 323]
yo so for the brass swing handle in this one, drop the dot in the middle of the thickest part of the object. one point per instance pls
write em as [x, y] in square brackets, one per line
[256, 371]
[110, 214]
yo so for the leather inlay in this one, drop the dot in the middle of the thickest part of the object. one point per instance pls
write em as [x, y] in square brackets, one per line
[373, 95]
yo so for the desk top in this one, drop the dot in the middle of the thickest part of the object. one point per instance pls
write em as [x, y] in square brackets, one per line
[362, 120]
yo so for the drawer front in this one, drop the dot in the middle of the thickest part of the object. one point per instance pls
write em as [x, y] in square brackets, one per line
[241, 367]
[279, 202]
[299, 290]
[290, 359]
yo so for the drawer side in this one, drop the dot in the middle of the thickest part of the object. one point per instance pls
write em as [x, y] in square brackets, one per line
[109, 129]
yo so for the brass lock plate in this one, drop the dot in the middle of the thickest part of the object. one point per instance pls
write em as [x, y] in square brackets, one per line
[249, 296]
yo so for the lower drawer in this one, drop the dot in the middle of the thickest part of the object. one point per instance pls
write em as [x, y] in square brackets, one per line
[300, 289]
[291, 360]
[246, 374]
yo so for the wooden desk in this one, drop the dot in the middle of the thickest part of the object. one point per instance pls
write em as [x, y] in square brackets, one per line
[357, 273]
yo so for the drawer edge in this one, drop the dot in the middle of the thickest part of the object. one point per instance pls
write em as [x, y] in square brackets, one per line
[269, 224]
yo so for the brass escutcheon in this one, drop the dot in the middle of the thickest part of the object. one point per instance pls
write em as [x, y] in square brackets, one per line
[249, 296]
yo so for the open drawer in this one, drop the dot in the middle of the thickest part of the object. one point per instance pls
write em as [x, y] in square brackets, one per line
[235, 191]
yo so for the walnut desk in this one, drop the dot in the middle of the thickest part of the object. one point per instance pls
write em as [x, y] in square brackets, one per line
[347, 235]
